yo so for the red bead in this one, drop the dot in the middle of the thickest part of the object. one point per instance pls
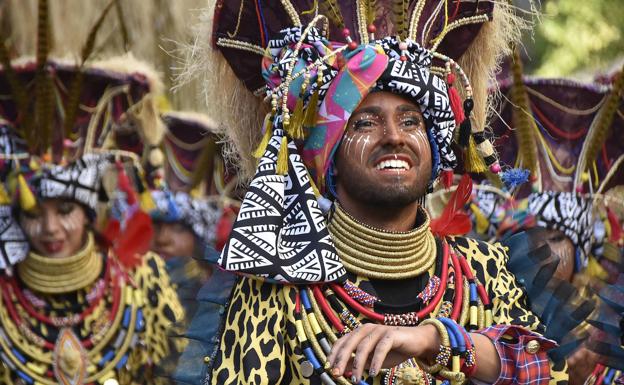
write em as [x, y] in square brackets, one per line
[346, 32]
[372, 28]
[533, 178]
[353, 45]
[403, 58]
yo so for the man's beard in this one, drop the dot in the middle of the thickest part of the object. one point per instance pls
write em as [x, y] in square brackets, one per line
[396, 194]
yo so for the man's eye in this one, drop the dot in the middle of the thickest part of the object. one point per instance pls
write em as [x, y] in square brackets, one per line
[362, 124]
[411, 122]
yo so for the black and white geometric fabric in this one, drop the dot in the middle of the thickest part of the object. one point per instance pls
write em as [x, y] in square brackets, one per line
[200, 215]
[567, 212]
[14, 245]
[280, 233]
[79, 180]
[412, 78]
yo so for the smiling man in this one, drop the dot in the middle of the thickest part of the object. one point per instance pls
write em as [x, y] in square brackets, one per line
[346, 278]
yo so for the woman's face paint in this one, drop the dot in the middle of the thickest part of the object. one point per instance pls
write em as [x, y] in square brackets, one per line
[55, 228]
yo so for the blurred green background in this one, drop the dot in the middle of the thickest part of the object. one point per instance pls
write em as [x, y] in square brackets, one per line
[576, 38]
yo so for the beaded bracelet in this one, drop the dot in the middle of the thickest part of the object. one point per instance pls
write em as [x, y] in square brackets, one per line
[444, 355]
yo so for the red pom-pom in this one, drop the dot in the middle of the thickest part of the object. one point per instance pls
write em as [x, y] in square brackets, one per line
[346, 32]
[353, 45]
[372, 28]
[446, 176]
[455, 100]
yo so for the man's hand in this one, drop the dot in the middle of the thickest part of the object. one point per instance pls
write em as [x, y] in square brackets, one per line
[381, 346]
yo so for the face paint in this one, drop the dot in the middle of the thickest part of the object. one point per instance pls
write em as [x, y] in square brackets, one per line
[32, 226]
[56, 229]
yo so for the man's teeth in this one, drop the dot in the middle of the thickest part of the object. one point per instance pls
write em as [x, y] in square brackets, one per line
[393, 164]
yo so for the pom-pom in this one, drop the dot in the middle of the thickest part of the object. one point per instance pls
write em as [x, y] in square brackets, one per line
[156, 157]
[352, 45]
[495, 168]
[514, 177]
[447, 178]
[371, 28]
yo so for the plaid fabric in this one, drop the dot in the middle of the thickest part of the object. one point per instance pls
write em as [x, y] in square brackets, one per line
[517, 365]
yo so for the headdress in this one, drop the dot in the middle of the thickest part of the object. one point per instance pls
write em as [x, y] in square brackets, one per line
[194, 176]
[565, 134]
[60, 118]
[318, 61]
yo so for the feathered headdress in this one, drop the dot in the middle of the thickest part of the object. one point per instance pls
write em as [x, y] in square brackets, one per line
[312, 63]
[64, 116]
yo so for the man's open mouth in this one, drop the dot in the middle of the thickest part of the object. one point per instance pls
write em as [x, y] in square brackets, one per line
[394, 162]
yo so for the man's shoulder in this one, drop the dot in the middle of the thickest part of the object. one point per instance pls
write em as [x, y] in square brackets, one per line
[473, 248]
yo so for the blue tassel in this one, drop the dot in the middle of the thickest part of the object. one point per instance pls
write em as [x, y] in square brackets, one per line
[514, 177]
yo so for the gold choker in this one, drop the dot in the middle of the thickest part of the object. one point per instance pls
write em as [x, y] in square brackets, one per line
[62, 275]
[380, 254]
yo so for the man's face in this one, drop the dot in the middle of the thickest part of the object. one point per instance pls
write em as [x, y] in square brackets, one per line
[384, 157]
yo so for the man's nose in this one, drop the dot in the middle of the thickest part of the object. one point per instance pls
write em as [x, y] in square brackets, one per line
[393, 134]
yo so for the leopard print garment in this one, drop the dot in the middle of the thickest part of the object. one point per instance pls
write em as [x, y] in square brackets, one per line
[259, 343]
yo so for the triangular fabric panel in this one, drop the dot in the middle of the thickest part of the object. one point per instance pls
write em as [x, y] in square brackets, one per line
[280, 233]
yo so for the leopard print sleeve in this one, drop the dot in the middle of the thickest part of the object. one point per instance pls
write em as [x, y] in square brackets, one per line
[508, 297]
[258, 343]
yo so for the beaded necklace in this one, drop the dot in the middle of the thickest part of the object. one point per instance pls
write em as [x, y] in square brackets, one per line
[115, 316]
[323, 313]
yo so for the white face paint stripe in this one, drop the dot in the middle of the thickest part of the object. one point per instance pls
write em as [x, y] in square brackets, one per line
[366, 142]
[32, 227]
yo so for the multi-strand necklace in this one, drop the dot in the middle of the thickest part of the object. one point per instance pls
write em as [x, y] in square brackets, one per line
[323, 313]
[51, 339]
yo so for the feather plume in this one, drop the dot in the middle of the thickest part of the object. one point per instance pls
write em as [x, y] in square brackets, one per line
[523, 122]
[454, 220]
[18, 90]
[371, 11]
[204, 164]
[122, 25]
[73, 100]
[400, 15]
[331, 9]
[600, 128]
[44, 105]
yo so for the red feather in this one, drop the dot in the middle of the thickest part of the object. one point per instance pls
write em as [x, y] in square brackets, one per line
[447, 178]
[224, 227]
[134, 240]
[124, 184]
[454, 220]
[616, 228]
